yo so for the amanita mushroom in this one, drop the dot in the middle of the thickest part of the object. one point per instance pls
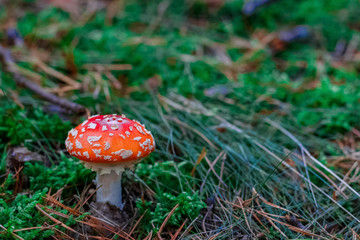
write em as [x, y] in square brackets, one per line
[108, 144]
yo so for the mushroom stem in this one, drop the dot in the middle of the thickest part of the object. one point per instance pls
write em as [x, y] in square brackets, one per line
[110, 188]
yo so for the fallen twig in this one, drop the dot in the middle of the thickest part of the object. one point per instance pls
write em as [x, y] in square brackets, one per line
[166, 220]
[52, 72]
[13, 234]
[178, 231]
[137, 223]
[7, 61]
[107, 67]
[38, 206]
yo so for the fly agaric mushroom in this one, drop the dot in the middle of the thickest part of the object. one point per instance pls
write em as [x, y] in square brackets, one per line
[108, 144]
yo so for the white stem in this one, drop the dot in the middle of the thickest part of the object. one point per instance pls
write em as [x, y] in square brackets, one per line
[110, 188]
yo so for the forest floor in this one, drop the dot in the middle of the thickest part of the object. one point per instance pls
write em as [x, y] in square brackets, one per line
[254, 108]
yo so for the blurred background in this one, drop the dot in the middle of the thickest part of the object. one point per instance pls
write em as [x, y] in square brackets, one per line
[254, 106]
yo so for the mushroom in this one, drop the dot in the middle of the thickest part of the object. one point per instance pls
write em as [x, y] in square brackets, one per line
[108, 144]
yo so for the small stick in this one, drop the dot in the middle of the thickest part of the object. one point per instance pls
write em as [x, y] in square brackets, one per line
[32, 228]
[35, 77]
[7, 60]
[38, 206]
[108, 67]
[149, 236]
[56, 74]
[113, 79]
[80, 205]
[166, 220]
[245, 217]
[178, 231]
[61, 90]
[16, 236]
[138, 221]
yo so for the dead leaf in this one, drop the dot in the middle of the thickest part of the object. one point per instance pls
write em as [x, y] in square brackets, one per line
[201, 156]
[19, 155]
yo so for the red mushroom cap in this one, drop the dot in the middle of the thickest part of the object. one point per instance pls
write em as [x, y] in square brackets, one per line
[110, 139]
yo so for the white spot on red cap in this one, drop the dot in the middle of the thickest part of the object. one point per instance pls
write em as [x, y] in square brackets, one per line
[81, 135]
[84, 123]
[123, 153]
[83, 130]
[137, 138]
[146, 142]
[108, 157]
[96, 151]
[139, 129]
[97, 145]
[111, 134]
[92, 125]
[131, 128]
[139, 154]
[73, 132]
[107, 146]
[127, 133]
[122, 136]
[114, 126]
[86, 154]
[68, 145]
[78, 144]
[92, 139]
[104, 128]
